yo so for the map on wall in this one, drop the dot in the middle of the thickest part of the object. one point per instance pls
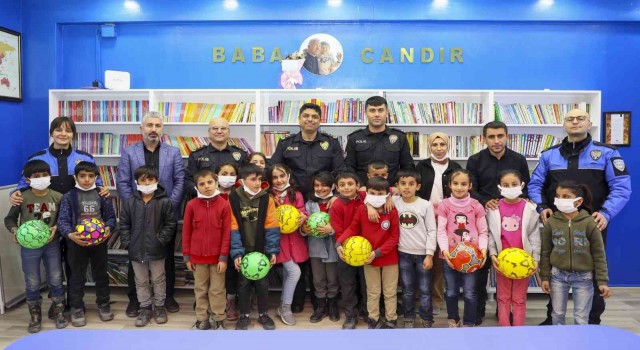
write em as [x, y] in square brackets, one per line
[10, 79]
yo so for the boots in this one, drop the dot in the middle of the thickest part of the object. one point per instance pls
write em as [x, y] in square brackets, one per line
[58, 313]
[35, 311]
[334, 310]
[232, 311]
[320, 311]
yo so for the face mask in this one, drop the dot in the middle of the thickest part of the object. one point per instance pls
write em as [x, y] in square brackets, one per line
[40, 183]
[248, 190]
[442, 159]
[285, 186]
[147, 189]
[511, 192]
[375, 201]
[93, 187]
[566, 205]
[227, 181]
[200, 195]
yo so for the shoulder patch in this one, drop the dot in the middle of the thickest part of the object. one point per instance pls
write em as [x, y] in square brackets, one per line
[619, 168]
[552, 147]
[39, 153]
[598, 143]
[398, 131]
[84, 153]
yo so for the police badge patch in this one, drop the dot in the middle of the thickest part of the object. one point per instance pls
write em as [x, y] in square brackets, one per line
[324, 145]
[619, 168]
[236, 156]
[596, 154]
[393, 139]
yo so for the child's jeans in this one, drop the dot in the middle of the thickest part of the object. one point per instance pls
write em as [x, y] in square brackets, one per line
[454, 280]
[581, 284]
[413, 275]
[290, 276]
[79, 258]
[50, 256]
[511, 294]
[144, 282]
[244, 294]
[210, 292]
[382, 279]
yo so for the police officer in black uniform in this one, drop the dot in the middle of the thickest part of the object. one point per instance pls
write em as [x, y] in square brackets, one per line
[210, 156]
[377, 142]
[309, 151]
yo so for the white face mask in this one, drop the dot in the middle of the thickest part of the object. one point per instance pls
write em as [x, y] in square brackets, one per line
[566, 205]
[328, 195]
[285, 186]
[511, 192]
[93, 187]
[200, 195]
[40, 183]
[441, 159]
[147, 189]
[248, 190]
[226, 181]
[375, 201]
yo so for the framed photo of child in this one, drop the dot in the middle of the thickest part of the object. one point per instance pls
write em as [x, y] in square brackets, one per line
[323, 54]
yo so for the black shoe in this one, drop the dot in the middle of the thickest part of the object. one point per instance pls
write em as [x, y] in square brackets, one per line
[374, 324]
[243, 323]
[319, 312]
[171, 305]
[390, 325]
[132, 309]
[297, 308]
[266, 322]
[546, 322]
[160, 315]
[203, 325]
[334, 311]
[218, 325]
[350, 322]
[104, 311]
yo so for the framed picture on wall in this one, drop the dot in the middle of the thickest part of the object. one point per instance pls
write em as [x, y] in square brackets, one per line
[617, 128]
[10, 65]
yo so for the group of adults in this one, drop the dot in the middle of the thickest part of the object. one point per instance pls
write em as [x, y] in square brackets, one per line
[310, 151]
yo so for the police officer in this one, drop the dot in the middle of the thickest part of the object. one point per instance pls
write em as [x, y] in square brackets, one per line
[309, 151]
[216, 153]
[377, 142]
[588, 162]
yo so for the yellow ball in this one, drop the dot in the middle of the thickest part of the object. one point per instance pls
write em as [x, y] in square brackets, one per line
[288, 218]
[515, 263]
[356, 250]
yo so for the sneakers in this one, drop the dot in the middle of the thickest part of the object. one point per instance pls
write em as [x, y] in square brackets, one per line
[218, 325]
[171, 305]
[427, 324]
[232, 311]
[319, 312]
[203, 325]
[454, 324]
[243, 323]
[35, 312]
[58, 313]
[374, 324]
[104, 311]
[284, 311]
[266, 322]
[144, 316]
[350, 322]
[334, 311]
[393, 324]
[408, 323]
[77, 318]
[132, 309]
[160, 315]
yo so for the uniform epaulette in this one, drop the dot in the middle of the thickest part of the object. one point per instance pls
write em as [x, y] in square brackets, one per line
[84, 153]
[398, 130]
[201, 148]
[39, 153]
[359, 130]
[328, 135]
[598, 143]
[552, 147]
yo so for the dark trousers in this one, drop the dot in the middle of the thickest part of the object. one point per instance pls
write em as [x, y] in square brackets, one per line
[64, 253]
[231, 280]
[350, 279]
[306, 279]
[244, 294]
[481, 289]
[79, 259]
[170, 273]
[598, 304]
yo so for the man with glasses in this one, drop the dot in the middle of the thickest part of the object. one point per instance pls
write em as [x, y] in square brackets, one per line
[588, 162]
[215, 153]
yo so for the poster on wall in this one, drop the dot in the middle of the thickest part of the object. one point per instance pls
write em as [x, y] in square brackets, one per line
[10, 65]
[323, 54]
[617, 128]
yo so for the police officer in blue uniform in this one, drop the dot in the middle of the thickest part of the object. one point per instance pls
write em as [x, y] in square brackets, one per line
[597, 165]
[377, 142]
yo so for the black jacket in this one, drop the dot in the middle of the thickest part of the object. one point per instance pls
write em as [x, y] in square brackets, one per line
[147, 228]
[427, 174]
[209, 157]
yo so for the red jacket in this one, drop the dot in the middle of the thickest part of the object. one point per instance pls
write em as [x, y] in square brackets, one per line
[383, 235]
[206, 231]
[342, 212]
[293, 246]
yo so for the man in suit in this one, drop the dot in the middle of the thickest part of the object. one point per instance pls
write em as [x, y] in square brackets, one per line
[168, 161]
[311, 58]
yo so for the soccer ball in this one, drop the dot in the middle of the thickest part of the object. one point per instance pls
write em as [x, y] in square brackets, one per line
[515, 263]
[254, 266]
[315, 221]
[33, 234]
[93, 229]
[288, 218]
[356, 250]
[466, 257]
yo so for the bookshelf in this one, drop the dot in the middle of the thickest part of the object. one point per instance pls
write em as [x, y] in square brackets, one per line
[253, 112]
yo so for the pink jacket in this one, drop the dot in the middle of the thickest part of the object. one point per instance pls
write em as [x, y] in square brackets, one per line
[461, 219]
[293, 246]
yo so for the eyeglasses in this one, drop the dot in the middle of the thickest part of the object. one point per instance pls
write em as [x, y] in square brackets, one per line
[223, 128]
[578, 118]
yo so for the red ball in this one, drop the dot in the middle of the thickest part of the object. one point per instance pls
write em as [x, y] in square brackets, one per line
[466, 257]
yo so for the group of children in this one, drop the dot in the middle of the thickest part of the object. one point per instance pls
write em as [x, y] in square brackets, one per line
[235, 214]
